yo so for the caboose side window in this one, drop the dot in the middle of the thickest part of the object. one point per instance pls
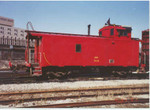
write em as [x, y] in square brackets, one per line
[112, 32]
[125, 33]
[100, 33]
[122, 33]
[78, 48]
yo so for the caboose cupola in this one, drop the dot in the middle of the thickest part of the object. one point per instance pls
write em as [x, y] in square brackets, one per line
[115, 31]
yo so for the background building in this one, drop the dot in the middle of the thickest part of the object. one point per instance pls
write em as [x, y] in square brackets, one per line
[12, 40]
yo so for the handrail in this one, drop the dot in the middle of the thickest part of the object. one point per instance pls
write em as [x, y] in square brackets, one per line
[27, 26]
[144, 57]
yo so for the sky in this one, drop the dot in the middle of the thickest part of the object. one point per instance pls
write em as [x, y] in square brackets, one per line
[74, 16]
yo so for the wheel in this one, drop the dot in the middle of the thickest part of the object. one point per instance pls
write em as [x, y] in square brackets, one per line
[44, 73]
[60, 74]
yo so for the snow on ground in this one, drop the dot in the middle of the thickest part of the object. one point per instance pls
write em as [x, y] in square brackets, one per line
[68, 85]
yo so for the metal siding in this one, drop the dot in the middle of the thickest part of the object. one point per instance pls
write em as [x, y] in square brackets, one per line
[60, 51]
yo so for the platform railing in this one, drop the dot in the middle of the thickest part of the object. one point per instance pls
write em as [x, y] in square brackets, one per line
[14, 42]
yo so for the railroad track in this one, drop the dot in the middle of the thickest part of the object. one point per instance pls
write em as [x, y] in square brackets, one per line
[25, 78]
[97, 95]
[18, 80]
[94, 103]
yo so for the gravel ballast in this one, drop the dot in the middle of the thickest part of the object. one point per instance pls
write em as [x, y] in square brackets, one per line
[68, 85]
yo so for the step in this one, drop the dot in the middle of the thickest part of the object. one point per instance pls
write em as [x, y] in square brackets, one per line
[37, 68]
[37, 72]
[35, 64]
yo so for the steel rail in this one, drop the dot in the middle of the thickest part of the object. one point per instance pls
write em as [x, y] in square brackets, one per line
[93, 103]
[6, 102]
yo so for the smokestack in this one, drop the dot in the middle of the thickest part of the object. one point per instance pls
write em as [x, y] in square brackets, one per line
[89, 27]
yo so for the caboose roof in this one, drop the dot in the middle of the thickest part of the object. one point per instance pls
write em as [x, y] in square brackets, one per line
[35, 34]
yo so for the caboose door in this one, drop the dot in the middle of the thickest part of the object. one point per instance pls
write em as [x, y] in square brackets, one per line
[31, 55]
[37, 53]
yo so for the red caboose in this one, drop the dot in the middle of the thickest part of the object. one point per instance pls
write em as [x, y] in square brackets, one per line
[112, 50]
